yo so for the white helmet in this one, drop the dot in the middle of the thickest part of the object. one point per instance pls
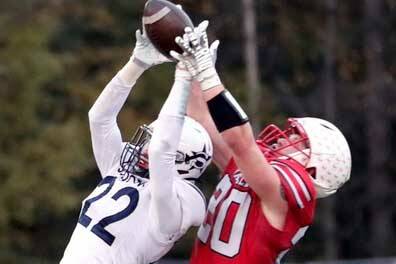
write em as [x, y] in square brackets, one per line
[193, 155]
[328, 158]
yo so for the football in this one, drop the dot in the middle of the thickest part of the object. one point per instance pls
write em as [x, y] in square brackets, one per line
[163, 22]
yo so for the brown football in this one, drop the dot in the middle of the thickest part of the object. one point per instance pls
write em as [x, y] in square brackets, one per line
[163, 22]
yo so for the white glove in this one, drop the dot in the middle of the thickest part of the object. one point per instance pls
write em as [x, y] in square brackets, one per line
[145, 54]
[197, 56]
[182, 71]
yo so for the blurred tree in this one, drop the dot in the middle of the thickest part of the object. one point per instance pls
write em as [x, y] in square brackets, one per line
[251, 61]
[40, 156]
[328, 89]
[55, 59]
[328, 38]
[378, 134]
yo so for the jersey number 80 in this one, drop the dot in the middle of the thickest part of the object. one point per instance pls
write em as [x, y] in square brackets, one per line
[226, 218]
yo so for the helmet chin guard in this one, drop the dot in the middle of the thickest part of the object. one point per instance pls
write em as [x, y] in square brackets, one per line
[327, 158]
[193, 155]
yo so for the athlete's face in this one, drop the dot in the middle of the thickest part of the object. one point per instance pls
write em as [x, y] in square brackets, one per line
[143, 163]
[285, 148]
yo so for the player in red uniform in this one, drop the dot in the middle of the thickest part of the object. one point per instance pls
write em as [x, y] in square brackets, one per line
[266, 199]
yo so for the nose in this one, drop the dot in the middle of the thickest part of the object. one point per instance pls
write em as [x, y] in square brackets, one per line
[282, 142]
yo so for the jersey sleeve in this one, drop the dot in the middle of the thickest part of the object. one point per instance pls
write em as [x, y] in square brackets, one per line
[298, 188]
[162, 150]
[105, 134]
[192, 205]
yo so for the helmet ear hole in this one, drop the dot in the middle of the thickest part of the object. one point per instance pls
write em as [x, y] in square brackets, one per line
[312, 172]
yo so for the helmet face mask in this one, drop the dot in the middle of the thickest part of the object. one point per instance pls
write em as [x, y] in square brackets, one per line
[327, 157]
[134, 158]
[292, 142]
[192, 157]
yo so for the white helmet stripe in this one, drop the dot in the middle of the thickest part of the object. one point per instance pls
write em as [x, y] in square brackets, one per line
[291, 184]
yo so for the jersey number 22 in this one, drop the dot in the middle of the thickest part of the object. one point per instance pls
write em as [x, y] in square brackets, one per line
[99, 228]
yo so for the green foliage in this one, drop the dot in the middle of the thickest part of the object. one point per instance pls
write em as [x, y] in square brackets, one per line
[43, 146]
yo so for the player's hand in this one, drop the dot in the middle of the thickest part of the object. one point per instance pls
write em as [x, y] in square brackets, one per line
[197, 56]
[182, 71]
[213, 50]
[145, 54]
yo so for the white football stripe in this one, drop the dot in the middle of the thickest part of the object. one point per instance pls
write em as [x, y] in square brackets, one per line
[157, 16]
[299, 234]
[302, 185]
[291, 184]
[300, 182]
[281, 255]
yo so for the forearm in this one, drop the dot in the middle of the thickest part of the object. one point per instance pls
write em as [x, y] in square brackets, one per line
[168, 127]
[132, 71]
[105, 134]
[114, 95]
[239, 138]
[238, 135]
[165, 202]
[162, 153]
[198, 110]
[230, 120]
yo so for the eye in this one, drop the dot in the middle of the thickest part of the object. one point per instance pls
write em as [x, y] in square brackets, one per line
[274, 146]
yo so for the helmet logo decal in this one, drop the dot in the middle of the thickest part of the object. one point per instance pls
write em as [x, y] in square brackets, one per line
[197, 160]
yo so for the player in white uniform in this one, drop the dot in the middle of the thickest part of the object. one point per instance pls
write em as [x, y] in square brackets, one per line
[146, 199]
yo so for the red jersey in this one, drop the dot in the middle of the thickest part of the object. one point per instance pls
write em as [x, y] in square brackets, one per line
[236, 230]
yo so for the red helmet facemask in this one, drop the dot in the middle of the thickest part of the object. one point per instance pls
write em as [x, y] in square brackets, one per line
[269, 137]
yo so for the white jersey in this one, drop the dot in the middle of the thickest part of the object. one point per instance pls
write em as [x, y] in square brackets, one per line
[117, 220]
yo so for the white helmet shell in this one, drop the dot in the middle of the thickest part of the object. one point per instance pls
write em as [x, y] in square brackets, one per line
[330, 155]
[195, 150]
